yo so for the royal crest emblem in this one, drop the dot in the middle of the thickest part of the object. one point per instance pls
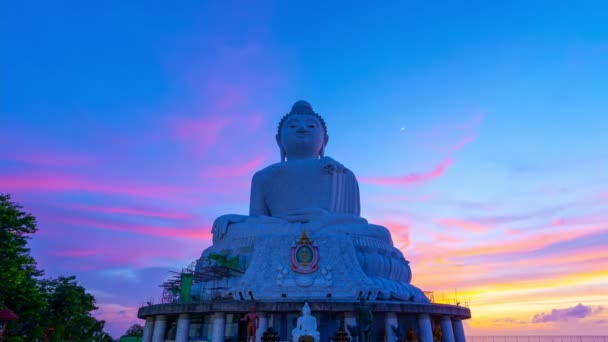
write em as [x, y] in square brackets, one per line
[304, 255]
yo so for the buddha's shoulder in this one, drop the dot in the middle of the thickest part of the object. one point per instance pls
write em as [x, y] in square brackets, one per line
[327, 164]
[268, 172]
[333, 166]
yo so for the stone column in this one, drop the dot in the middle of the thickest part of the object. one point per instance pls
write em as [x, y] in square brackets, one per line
[350, 318]
[160, 325]
[183, 328]
[458, 330]
[426, 330]
[446, 329]
[148, 329]
[219, 327]
[263, 326]
[389, 322]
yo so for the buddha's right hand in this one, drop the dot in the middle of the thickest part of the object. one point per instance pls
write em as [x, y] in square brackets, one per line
[220, 225]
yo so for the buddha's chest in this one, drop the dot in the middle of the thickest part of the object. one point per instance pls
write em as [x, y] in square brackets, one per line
[301, 186]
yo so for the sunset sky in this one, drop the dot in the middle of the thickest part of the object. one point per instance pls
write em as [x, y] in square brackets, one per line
[478, 132]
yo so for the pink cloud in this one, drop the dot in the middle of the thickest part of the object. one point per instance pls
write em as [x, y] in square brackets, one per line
[471, 226]
[411, 179]
[47, 158]
[401, 198]
[72, 183]
[75, 253]
[202, 232]
[423, 251]
[202, 133]
[532, 242]
[100, 249]
[123, 256]
[234, 171]
[146, 212]
[437, 267]
[118, 317]
[463, 142]
[400, 233]
[446, 238]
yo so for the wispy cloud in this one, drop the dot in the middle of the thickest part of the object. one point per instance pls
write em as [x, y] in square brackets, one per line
[75, 253]
[133, 210]
[37, 181]
[471, 226]
[400, 234]
[201, 232]
[201, 133]
[234, 171]
[413, 178]
[46, 158]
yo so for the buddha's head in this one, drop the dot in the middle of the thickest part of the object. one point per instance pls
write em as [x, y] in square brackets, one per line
[302, 133]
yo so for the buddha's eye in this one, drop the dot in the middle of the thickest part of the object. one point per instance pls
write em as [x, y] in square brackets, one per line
[311, 126]
[292, 126]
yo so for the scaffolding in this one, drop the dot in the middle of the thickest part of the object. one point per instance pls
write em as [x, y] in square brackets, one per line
[178, 286]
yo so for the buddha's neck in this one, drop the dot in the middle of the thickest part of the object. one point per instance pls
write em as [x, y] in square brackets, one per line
[296, 157]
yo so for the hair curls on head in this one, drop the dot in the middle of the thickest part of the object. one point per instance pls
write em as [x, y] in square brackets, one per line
[302, 108]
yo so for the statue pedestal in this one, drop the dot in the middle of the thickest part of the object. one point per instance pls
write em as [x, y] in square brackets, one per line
[340, 261]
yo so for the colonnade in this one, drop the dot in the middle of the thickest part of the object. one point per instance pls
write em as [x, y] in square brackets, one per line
[155, 327]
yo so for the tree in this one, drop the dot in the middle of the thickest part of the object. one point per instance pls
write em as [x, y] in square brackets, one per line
[135, 330]
[68, 310]
[18, 283]
[59, 309]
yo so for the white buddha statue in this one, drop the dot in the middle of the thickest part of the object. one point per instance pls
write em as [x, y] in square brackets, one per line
[306, 326]
[306, 191]
[305, 184]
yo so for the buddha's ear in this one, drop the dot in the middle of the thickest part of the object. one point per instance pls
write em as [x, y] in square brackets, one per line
[281, 150]
[325, 141]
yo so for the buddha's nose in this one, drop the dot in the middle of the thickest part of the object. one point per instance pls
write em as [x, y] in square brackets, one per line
[302, 129]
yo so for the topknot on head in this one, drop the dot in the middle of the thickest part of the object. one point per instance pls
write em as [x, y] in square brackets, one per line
[302, 108]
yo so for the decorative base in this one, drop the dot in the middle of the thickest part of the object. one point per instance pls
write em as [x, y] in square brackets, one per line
[296, 261]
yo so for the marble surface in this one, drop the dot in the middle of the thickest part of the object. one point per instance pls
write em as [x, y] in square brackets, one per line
[312, 193]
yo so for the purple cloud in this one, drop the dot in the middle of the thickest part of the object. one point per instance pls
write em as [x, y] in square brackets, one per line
[576, 312]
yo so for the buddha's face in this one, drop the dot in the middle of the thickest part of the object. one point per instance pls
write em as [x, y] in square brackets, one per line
[306, 310]
[301, 136]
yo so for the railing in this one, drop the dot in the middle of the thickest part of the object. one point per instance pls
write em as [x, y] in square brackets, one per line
[537, 338]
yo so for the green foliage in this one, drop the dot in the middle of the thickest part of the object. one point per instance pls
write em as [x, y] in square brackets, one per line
[135, 330]
[58, 308]
[68, 310]
[18, 283]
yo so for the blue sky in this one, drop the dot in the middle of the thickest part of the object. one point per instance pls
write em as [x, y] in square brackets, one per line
[477, 131]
